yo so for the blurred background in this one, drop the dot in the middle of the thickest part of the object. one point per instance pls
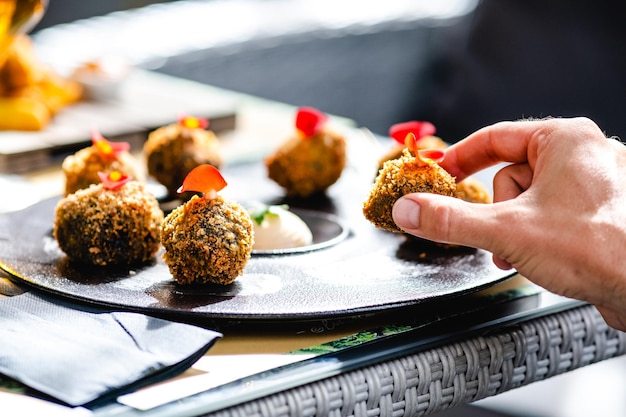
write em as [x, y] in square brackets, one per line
[365, 61]
[461, 64]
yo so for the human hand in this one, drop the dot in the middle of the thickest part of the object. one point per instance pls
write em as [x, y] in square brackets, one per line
[559, 211]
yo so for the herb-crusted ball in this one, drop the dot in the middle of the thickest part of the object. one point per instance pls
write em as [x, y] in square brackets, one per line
[172, 151]
[81, 168]
[412, 167]
[399, 177]
[312, 160]
[207, 239]
[473, 191]
[102, 227]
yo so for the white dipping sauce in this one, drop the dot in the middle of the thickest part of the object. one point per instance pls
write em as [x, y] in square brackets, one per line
[280, 229]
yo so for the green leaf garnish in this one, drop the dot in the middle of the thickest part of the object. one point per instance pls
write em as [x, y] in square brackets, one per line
[260, 214]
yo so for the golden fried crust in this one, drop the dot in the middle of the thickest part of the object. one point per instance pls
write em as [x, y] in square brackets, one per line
[306, 166]
[109, 227]
[399, 177]
[81, 169]
[427, 142]
[473, 191]
[173, 151]
[207, 241]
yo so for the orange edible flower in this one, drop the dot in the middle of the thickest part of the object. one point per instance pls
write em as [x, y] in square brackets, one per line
[400, 132]
[310, 121]
[205, 179]
[106, 148]
[113, 180]
[193, 122]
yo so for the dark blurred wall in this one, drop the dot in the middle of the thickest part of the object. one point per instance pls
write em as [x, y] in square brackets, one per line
[529, 58]
[65, 11]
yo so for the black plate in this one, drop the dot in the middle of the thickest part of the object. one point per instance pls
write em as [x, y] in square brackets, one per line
[364, 271]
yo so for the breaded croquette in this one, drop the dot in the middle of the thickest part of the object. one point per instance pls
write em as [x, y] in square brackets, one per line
[172, 151]
[469, 189]
[81, 169]
[104, 225]
[398, 177]
[312, 160]
[208, 239]
[472, 190]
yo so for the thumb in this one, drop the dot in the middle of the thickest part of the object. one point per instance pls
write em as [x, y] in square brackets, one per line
[446, 219]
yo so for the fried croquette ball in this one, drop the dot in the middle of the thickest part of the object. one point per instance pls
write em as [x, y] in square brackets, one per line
[81, 169]
[304, 167]
[399, 177]
[172, 151]
[473, 191]
[422, 137]
[101, 226]
[312, 160]
[207, 241]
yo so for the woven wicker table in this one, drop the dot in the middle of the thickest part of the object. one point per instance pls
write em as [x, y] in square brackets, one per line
[450, 375]
[454, 362]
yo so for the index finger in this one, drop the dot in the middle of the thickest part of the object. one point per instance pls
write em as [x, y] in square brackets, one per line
[491, 145]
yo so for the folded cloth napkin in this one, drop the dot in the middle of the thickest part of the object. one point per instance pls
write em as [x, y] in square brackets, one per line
[78, 355]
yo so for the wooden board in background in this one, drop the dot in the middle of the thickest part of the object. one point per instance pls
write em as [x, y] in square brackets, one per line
[147, 101]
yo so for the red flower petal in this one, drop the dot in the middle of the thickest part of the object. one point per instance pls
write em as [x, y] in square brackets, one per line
[193, 122]
[310, 121]
[106, 148]
[430, 156]
[399, 131]
[113, 180]
[204, 179]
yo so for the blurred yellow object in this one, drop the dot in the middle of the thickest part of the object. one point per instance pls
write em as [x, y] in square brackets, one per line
[52, 90]
[35, 90]
[30, 92]
[23, 113]
[21, 67]
[18, 17]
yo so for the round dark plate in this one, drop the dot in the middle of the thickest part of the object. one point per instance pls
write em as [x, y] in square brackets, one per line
[352, 268]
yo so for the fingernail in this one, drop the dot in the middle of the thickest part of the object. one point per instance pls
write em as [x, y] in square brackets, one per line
[406, 214]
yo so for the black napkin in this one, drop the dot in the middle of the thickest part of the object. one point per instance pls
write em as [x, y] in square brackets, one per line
[78, 355]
